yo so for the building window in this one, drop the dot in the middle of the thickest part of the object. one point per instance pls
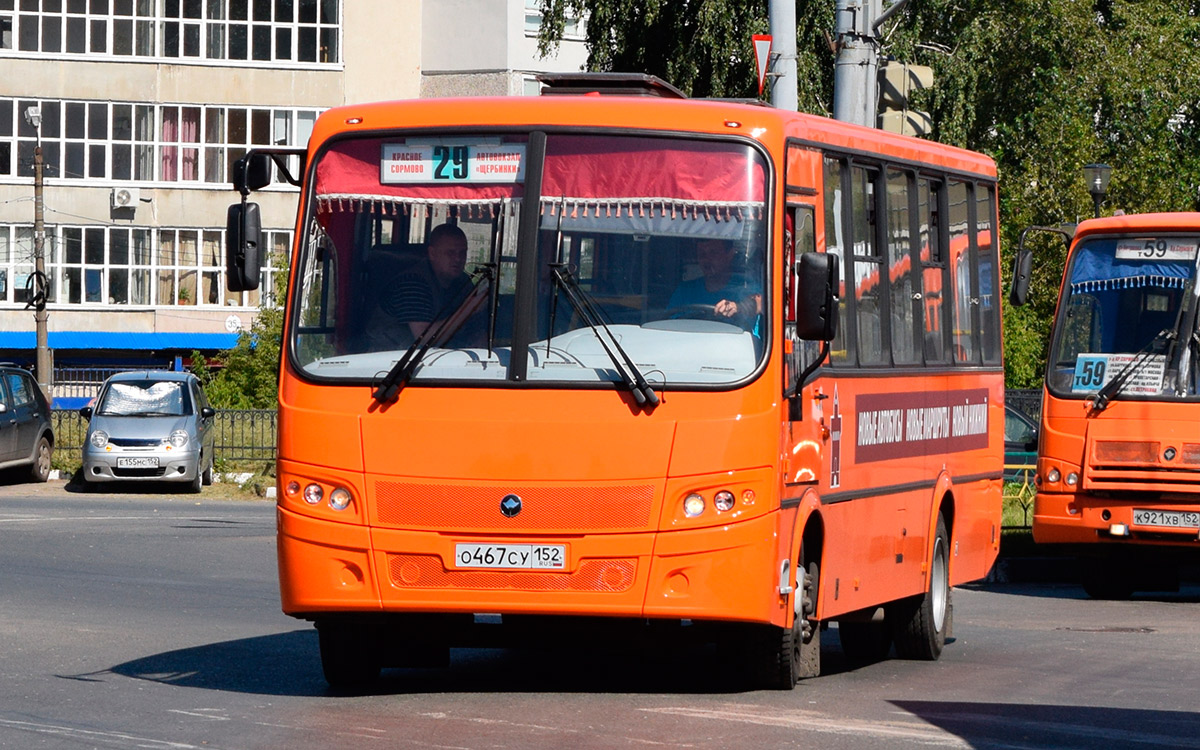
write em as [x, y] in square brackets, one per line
[251, 31]
[132, 142]
[103, 266]
[573, 27]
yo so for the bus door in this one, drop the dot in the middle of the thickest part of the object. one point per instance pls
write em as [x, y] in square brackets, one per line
[807, 425]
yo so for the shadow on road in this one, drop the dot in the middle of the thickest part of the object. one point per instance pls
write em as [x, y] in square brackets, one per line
[288, 664]
[988, 725]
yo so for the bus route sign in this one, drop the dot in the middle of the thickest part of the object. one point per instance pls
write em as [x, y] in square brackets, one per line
[452, 162]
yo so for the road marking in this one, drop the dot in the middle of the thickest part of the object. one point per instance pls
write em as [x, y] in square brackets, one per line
[119, 739]
[203, 713]
[818, 722]
[26, 519]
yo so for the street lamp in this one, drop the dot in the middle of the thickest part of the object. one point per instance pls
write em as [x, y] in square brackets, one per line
[1097, 176]
[45, 368]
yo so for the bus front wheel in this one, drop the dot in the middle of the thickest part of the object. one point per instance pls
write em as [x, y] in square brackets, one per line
[350, 654]
[920, 623]
[784, 656]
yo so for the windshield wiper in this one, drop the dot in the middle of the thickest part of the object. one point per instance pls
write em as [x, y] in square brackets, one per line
[1102, 397]
[585, 307]
[434, 334]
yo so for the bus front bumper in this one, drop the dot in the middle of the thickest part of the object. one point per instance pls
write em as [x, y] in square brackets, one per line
[1063, 518]
[727, 572]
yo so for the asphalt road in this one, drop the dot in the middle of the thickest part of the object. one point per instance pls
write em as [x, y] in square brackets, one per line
[152, 620]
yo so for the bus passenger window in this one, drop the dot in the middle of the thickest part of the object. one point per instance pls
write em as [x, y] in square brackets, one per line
[900, 276]
[835, 241]
[868, 269]
[933, 267]
[960, 269]
[989, 306]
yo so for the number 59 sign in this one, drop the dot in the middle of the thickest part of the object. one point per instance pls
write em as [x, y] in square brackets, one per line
[451, 162]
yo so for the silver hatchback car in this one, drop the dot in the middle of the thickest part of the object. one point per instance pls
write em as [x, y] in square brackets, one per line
[150, 426]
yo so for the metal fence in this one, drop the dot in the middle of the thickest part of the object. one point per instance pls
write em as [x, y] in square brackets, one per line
[245, 438]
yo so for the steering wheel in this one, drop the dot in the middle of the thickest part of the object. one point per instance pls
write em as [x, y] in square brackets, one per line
[697, 312]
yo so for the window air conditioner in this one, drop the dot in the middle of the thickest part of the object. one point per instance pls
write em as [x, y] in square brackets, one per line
[125, 197]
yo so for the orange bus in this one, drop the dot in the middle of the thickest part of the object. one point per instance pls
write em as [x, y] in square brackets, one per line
[691, 386]
[1119, 455]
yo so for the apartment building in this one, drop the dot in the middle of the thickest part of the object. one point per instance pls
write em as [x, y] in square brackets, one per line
[140, 107]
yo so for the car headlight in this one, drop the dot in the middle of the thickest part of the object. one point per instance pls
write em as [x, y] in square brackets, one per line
[98, 439]
[179, 438]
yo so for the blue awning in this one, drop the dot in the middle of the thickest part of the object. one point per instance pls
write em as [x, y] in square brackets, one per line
[120, 341]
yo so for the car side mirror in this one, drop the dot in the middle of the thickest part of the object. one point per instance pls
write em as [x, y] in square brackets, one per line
[85, 412]
[208, 412]
[817, 277]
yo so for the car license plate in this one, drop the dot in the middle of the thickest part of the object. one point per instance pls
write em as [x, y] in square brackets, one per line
[138, 462]
[1171, 519]
[535, 556]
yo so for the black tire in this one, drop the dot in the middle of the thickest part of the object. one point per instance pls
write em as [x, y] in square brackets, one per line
[920, 623]
[865, 642]
[207, 479]
[43, 456]
[1107, 579]
[197, 482]
[350, 656]
[783, 656]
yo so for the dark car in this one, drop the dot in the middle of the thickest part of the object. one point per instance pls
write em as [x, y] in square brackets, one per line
[154, 426]
[1020, 445]
[26, 437]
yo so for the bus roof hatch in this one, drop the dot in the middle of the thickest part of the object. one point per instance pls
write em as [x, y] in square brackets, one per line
[611, 84]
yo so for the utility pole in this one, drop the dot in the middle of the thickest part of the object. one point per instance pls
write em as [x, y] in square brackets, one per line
[45, 368]
[785, 83]
[856, 71]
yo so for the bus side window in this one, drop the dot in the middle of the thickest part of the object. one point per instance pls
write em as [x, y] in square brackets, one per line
[904, 308]
[962, 287]
[989, 282]
[869, 272]
[835, 242]
[802, 239]
[933, 269]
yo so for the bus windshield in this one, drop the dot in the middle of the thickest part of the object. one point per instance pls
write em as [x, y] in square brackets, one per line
[1125, 299]
[413, 246]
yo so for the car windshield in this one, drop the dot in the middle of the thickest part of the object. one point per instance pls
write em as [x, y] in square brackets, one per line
[144, 398]
[1123, 301]
[664, 238]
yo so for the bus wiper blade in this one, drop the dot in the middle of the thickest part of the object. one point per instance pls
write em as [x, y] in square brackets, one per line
[445, 328]
[1110, 389]
[584, 306]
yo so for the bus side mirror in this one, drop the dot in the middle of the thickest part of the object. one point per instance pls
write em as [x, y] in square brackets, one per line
[817, 277]
[243, 240]
[251, 172]
[1022, 271]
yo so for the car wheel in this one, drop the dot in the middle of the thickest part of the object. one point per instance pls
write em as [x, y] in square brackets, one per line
[197, 481]
[40, 471]
[208, 474]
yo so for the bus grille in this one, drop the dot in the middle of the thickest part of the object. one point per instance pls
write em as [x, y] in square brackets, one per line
[1140, 465]
[462, 508]
[426, 571]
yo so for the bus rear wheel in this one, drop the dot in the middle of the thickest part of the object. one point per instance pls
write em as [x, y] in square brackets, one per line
[350, 654]
[920, 623]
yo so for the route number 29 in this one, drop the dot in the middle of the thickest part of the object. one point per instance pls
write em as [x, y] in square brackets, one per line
[451, 162]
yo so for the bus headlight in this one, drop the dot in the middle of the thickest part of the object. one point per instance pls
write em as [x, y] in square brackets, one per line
[1072, 479]
[313, 493]
[723, 500]
[693, 505]
[1053, 476]
[339, 499]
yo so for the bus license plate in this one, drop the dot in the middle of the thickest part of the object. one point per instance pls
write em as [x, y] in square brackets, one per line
[1171, 519]
[138, 462]
[535, 556]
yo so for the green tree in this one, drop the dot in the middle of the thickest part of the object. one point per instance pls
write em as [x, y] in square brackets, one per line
[1043, 86]
[247, 376]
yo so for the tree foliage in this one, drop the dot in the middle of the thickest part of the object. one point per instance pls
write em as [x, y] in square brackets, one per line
[247, 376]
[1042, 86]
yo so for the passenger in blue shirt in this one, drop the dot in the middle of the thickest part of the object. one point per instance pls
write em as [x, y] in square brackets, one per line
[719, 287]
